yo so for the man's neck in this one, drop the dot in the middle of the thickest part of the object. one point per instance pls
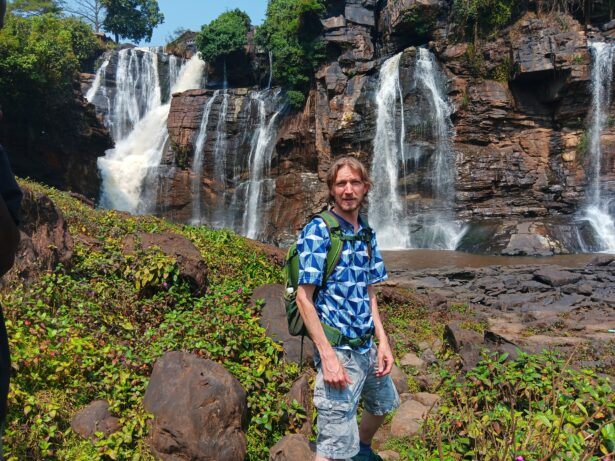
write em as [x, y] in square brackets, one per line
[351, 217]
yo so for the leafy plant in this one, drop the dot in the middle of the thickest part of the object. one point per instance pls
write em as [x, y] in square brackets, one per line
[225, 35]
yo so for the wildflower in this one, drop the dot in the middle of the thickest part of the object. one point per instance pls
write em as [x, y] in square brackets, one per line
[519, 458]
[165, 284]
[240, 290]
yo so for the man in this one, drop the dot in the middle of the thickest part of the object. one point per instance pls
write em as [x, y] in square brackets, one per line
[357, 368]
[10, 199]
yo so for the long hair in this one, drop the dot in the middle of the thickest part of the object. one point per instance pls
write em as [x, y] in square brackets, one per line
[355, 165]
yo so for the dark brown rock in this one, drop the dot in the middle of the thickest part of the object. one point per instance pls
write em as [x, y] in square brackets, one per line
[273, 319]
[192, 268]
[467, 343]
[301, 392]
[95, 418]
[45, 238]
[556, 277]
[199, 410]
[293, 447]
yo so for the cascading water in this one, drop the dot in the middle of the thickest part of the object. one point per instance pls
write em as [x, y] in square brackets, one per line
[125, 167]
[100, 74]
[259, 164]
[197, 164]
[397, 227]
[390, 220]
[600, 209]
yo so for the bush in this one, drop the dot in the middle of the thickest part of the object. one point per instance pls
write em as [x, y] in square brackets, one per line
[225, 35]
[291, 32]
[481, 18]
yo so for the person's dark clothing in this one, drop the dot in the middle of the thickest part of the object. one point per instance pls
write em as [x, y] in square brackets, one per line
[10, 192]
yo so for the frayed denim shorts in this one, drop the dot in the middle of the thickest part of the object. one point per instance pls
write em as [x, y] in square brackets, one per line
[338, 432]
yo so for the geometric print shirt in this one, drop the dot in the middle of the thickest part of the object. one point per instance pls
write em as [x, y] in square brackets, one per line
[344, 302]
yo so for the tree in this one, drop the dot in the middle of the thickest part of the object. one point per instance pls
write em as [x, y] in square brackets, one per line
[27, 8]
[224, 35]
[132, 19]
[91, 11]
[291, 31]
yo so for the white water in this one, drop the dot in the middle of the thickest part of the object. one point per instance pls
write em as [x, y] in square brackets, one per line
[389, 221]
[597, 209]
[125, 167]
[435, 228]
[441, 230]
[197, 163]
[259, 163]
[100, 73]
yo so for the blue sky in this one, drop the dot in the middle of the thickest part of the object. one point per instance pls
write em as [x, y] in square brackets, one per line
[192, 14]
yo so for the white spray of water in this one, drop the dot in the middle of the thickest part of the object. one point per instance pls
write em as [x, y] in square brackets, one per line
[100, 74]
[259, 162]
[597, 209]
[124, 168]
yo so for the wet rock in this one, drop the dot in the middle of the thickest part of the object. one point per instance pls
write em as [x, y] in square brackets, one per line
[292, 447]
[602, 260]
[273, 320]
[556, 277]
[199, 410]
[94, 418]
[192, 267]
[45, 238]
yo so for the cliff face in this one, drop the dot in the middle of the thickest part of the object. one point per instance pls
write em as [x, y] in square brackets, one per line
[63, 157]
[519, 109]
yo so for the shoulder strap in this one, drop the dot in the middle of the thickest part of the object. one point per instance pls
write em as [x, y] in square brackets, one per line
[335, 250]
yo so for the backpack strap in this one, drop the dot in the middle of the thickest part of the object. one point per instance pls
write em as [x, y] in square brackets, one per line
[337, 242]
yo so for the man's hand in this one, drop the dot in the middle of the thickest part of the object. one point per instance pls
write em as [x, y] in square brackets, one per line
[385, 359]
[333, 373]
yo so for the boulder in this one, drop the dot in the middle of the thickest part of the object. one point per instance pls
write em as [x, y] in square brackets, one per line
[293, 447]
[427, 399]
[556, 277]
[467, 343]
[408, 419]
[301, 392]
[192, 268]
[273, 320]
[95, 418]
[199, 409]
[45, 238]
[412, 360]
[400, 380]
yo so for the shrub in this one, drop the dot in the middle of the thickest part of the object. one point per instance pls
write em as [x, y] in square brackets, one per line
[225, 35]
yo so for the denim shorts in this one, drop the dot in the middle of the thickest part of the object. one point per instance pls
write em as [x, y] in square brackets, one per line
[338, 432]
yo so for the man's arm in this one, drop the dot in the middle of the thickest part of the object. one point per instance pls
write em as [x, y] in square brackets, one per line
[9, 236]
[333, 372]
[385, 356]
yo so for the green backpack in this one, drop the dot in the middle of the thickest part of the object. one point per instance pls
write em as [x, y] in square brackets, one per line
[296, 327]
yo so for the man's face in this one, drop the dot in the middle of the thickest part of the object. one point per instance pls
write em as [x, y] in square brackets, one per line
[348, 190]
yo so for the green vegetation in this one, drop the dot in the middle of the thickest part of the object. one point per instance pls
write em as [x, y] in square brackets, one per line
[39, 60]
[531, 408]
[291, 32]
[225, 35]
[95, 329]
[34, 7]
[481, 18]
[132, 19]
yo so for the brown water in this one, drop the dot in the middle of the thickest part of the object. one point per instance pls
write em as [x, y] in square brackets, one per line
[428, 259]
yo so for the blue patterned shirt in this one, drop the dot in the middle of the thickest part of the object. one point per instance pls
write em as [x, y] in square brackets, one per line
[344, 302]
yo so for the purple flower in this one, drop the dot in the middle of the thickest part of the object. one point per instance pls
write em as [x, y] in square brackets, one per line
[165, 284]
[240, 290]
[519, 458]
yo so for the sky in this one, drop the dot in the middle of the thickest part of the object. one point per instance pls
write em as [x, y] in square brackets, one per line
[192, 14]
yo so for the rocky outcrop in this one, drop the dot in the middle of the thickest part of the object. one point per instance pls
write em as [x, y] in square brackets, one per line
[292, 447]
[199, 410]
[62, 155]
[45, 238]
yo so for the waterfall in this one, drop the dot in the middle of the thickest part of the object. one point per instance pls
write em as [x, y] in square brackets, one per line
[389, 221]
[100, 74]
[124, 168]
[197, 164]
[600, 210]
[389, 213]
[259, 163]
